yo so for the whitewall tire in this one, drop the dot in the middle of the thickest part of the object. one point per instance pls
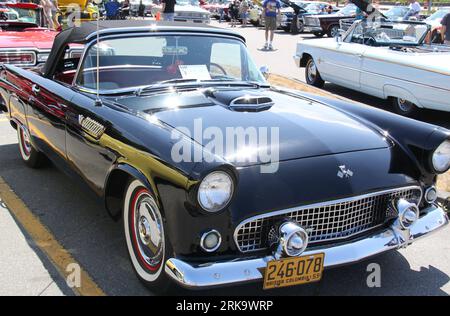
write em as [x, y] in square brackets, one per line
[147, 244]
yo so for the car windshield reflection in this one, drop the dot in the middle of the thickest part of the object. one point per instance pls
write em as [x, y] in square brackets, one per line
[147, 60]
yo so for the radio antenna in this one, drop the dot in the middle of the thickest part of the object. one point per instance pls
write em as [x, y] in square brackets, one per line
[98, 101]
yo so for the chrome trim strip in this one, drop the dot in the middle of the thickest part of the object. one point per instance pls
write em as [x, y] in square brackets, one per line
[251, 269]
[316, 205]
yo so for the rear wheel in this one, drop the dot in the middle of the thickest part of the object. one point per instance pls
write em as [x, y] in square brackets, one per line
[333, 31]
[148, 245]
[404, 107]
[32, 157]
[300, 27]
[312, 74]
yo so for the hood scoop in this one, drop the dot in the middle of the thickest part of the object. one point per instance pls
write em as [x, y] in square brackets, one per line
[241, 100]
[251, 104]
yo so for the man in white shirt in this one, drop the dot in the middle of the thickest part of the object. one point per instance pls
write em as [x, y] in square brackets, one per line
[414, 10]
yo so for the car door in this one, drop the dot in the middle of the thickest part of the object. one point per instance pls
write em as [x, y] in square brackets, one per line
[86, 124]
[341, 63]
[45, 106]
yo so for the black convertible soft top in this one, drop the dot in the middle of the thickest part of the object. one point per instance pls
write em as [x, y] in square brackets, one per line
[87, 31]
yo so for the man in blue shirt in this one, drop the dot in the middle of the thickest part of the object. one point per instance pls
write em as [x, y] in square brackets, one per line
[271, 9]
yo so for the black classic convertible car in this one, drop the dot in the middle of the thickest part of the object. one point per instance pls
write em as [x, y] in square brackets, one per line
[134, 118]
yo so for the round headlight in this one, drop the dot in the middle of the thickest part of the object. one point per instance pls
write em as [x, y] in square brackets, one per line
[215, 191]
[441, 157]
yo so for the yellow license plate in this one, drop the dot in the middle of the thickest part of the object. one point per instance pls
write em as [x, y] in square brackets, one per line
[294, 271]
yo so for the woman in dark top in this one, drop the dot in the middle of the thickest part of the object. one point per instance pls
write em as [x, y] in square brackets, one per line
[233, 8]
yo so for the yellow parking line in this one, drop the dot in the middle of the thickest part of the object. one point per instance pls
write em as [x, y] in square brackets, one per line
[3, 119]
[45, 240]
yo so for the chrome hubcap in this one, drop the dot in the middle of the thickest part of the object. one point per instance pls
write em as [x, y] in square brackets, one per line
[312, 71]
[334, 31]
[404, 105]
[149, 231]
[26, 143]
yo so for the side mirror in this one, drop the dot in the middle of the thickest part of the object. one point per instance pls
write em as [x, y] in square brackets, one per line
[265, 71]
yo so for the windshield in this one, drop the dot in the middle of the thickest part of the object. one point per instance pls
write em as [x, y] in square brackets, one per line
[349, 9]
[187, 2]
[8, 14]
[396, 12]
[145, 60]
[314, 7]
[301, 4]
[388, 33]
[438, 15]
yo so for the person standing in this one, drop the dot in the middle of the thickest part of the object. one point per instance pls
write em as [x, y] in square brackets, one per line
[55, 11]
[271, 8]
[445, 32]
[244, 12]
[414, 10]
[233, 9]
[47, 11]
[168, 9]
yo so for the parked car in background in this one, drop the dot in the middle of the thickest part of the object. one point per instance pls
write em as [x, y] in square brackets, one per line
[303, 8]
[86, 9]
[217, 7]
[148, 5]
[24, 39]
[384, 59]
[396, 13]
[328, 24]
[228, 216]
[187, 11]
[434, 21]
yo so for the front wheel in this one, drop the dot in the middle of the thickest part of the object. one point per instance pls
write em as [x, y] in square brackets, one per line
[404, 107]
[148, 245]
[312, 75]
[32, 157]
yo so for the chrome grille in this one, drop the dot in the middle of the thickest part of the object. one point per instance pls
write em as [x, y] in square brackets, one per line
[326, 221]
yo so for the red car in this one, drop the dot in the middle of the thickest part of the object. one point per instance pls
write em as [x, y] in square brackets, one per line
[215, 7]
[24, 39]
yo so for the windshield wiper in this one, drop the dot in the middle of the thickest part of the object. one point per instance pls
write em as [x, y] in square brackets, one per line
[224, 79]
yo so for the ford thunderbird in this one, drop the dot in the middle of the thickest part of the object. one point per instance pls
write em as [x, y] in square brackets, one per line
[140, 117]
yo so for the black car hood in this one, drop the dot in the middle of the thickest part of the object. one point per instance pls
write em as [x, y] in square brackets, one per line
[305, 128]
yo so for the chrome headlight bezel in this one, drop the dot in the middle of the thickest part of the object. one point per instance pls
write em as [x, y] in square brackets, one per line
[227, 179]
[440, 159]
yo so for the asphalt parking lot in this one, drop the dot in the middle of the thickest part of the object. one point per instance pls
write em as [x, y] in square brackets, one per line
[81, 225]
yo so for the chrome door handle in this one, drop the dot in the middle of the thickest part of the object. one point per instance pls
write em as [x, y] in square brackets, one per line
[35, 89]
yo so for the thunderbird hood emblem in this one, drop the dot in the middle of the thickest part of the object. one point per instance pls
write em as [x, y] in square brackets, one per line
[344, 172]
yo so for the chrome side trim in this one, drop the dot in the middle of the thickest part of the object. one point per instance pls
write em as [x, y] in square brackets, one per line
[252, 268]
[321, 204]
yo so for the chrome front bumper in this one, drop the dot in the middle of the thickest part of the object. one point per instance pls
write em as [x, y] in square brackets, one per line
[251, 269]
[312, 29]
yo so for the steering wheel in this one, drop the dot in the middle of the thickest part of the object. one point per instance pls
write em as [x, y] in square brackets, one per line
[219, 67]
[370, 41]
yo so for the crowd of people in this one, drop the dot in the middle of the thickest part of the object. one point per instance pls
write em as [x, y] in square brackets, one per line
[238, 11]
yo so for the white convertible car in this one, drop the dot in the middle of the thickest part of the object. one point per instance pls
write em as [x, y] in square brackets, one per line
[385, 59]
